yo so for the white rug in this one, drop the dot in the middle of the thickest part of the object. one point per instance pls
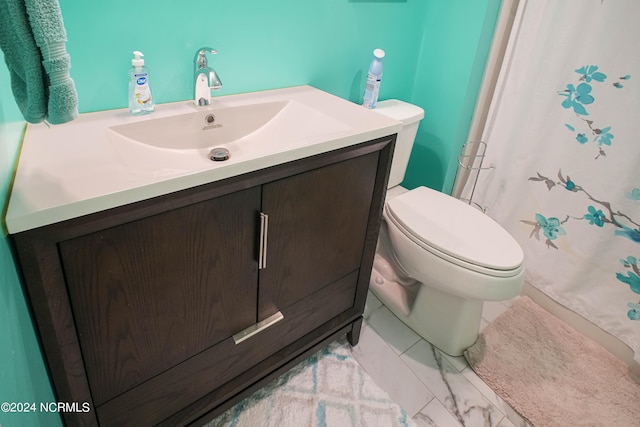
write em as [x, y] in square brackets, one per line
[551, 374]
[330, 389]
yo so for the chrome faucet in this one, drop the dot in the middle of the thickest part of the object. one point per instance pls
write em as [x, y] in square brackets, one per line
[206, 78]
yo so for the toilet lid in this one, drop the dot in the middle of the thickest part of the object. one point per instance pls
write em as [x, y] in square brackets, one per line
[455, 228]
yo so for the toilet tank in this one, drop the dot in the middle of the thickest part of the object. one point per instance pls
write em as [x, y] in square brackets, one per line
[410, 116]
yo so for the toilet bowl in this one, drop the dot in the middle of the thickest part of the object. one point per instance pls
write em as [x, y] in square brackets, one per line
[438, 259]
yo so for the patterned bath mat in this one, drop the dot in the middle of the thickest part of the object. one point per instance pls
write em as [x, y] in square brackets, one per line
[330, 389]
[551, 374]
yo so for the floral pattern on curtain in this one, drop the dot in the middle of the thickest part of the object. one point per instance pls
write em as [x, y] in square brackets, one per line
[578, 97]
[563, 133]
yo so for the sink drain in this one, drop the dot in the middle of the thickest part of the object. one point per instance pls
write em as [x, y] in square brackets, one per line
[219, 154]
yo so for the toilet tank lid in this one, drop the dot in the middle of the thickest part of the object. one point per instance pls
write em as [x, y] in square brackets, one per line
[400, 110]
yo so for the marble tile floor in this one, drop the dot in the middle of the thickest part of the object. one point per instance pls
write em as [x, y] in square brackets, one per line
[434, 388]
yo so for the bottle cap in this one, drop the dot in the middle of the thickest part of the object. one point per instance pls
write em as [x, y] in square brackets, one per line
[378, 53]
[137, 61]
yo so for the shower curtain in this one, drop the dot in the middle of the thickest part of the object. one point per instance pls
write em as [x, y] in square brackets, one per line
[563, 133]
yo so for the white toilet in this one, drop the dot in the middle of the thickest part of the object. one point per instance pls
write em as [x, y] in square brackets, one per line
[438, 259]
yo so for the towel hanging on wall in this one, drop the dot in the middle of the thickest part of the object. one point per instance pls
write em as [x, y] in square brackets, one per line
[32, 37]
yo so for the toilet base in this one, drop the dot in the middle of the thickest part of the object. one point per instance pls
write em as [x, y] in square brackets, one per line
[449, 322]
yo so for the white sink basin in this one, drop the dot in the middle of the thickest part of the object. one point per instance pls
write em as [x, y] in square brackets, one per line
[202, 129]
[253, 128]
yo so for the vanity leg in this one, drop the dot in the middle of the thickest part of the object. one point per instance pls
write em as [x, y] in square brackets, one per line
[353, 336]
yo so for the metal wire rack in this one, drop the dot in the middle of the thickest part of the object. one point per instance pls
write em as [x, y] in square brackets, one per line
[470, 162]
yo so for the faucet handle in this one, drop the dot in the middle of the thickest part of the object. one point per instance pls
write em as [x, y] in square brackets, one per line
[201, 56]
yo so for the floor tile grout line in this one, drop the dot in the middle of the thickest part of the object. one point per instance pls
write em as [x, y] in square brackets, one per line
[408, 370]
[454, 365]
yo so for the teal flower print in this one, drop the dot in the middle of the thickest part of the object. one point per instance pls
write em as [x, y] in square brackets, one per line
[630, 279]
[619, 85]
[595, 216]
[630, 261]
[590, 72]
[633, 280]
[550, 227]
[603, 136]
[582, 94]
[576, 97]
[581, 138]
[632, 234]
[634, 194]
[570, 185]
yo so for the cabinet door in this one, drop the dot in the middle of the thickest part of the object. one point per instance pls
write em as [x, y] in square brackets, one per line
[316, 230]
[154, 292]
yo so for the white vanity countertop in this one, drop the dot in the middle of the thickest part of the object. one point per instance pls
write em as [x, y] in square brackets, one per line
[67, 171]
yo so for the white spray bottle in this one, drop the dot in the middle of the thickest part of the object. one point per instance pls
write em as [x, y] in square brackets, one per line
[374, 76]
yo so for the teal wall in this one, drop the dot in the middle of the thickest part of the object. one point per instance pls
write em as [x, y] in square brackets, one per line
[23, 376]
[261, 45]
[435, 55]
[454, 49]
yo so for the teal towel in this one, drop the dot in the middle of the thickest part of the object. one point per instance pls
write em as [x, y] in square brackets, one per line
[32, 37]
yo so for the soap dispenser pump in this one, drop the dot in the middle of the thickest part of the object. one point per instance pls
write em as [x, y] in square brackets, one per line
[140, 99]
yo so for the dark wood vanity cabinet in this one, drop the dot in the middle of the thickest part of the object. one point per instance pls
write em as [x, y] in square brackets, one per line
[140, 307]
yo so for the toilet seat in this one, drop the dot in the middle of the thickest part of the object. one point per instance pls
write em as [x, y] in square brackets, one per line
[455, 231]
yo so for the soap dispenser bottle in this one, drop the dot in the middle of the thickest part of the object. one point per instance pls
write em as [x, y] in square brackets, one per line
[140, 99]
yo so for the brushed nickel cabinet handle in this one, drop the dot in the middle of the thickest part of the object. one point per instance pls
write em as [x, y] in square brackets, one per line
[264, 231]
[266, 235]
[256, 328]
